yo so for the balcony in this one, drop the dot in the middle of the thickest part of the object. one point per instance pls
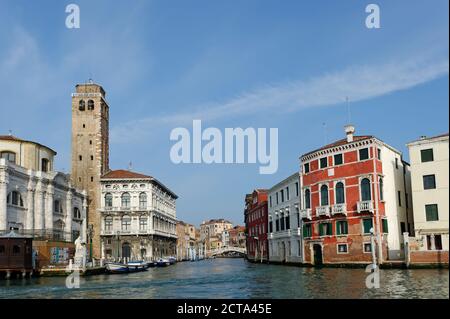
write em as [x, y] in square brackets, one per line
[107, 232]
[323, 210]
[365, 206]
[305, 213]
[338, 209]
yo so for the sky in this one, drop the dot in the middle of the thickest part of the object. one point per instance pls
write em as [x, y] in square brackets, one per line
[254, 63]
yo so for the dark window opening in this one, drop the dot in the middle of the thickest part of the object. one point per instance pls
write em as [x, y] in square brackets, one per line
[363, 154]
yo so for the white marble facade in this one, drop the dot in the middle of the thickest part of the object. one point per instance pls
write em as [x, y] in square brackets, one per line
[42, 204]
[138, 217]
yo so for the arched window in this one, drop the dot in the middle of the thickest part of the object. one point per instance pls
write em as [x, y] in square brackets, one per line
[324, 195]
[282, 221]
[90, 105]
[381, 189]
[82, 105]
[365, 190]
[108, 200]
[15, 198]
[340, 197]
[288, 222]
[45, 167]
[307, 198]
[126, 223]
[76, 213]
[142, 200]
[9, 156]
[125, 200]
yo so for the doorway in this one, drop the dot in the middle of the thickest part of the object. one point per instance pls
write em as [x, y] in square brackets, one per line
[126, 250]
[317, 249]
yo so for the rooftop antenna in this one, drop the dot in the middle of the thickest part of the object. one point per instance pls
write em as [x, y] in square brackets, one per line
[130, 166]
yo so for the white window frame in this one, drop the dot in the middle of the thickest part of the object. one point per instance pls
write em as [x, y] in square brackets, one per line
[337, 248]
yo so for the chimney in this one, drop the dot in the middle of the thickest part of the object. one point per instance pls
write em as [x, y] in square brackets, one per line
[423, 137]
[349, 131]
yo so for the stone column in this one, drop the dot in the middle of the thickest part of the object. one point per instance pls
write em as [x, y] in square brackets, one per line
[30, 205]
[49, 208]
[39, 208]
[84, 213]
[3, 196]
[69, 213]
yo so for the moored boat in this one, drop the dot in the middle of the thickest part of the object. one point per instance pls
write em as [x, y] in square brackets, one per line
[163, 262]
[172, 260]
[134, 266]
[116, 268]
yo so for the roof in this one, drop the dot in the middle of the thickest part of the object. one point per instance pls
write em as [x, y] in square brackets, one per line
[125, 174]
[340, 143]
[13, 234]
[214, 221]
[429, 138]
[16, 139]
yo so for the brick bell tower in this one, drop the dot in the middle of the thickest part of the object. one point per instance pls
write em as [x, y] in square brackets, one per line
[90, 151]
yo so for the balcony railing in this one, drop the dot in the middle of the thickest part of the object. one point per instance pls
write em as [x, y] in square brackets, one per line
[305, 213]
[365, 206]
[323, 210]
[338, 209]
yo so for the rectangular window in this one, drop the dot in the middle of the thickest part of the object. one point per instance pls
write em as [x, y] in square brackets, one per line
[427, 155]
[323, 162]
[367, 225]
[379, 153]
[338, 160]
[2, 250]
[325, 229]
[341, 227]
[363, 154]
[296, 189]
[287, 193]
[307, 231]
[399, 197]
[299, 245]
[438, 242]
[306, 168]
[277, 198]
[270, 200]
[429, 182]
[367, 247]
[396, 163]
[342, 248]
[431, 212]
[282, 195]
[385, 226]
[402, 227]
[143, 223]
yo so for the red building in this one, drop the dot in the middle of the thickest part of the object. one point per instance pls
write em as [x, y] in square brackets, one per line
[354, 190]
[256, 222]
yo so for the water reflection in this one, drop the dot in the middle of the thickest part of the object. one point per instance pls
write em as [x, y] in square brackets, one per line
[235, 278]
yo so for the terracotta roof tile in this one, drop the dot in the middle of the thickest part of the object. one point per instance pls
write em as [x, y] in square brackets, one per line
[340, 143]
[121, 173]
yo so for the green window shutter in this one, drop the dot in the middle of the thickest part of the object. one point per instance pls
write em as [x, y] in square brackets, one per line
[338, 227]
[345, 224]
[320, 230]
[385, 226]
[304, 231]
[329, 229]
[367, 225]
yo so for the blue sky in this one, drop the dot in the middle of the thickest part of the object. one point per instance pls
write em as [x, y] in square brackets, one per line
[283, 64]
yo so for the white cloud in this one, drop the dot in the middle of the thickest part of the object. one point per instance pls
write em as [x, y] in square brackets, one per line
[357, 82]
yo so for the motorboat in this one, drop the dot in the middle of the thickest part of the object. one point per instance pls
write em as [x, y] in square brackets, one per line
[116, 268]
[172, 260]
[163, 262]
[138, 265]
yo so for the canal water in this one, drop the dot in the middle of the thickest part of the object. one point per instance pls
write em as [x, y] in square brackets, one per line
[237, 278]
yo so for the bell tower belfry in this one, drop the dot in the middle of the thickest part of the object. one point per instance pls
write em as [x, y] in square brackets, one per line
[90, 152]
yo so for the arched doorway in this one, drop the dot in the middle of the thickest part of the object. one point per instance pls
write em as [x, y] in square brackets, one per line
[317, 249]
[126, 250]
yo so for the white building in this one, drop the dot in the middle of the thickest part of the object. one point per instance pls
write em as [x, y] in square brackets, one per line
[34, 199]
[284, 229]
[430, 195]
[138, 217]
